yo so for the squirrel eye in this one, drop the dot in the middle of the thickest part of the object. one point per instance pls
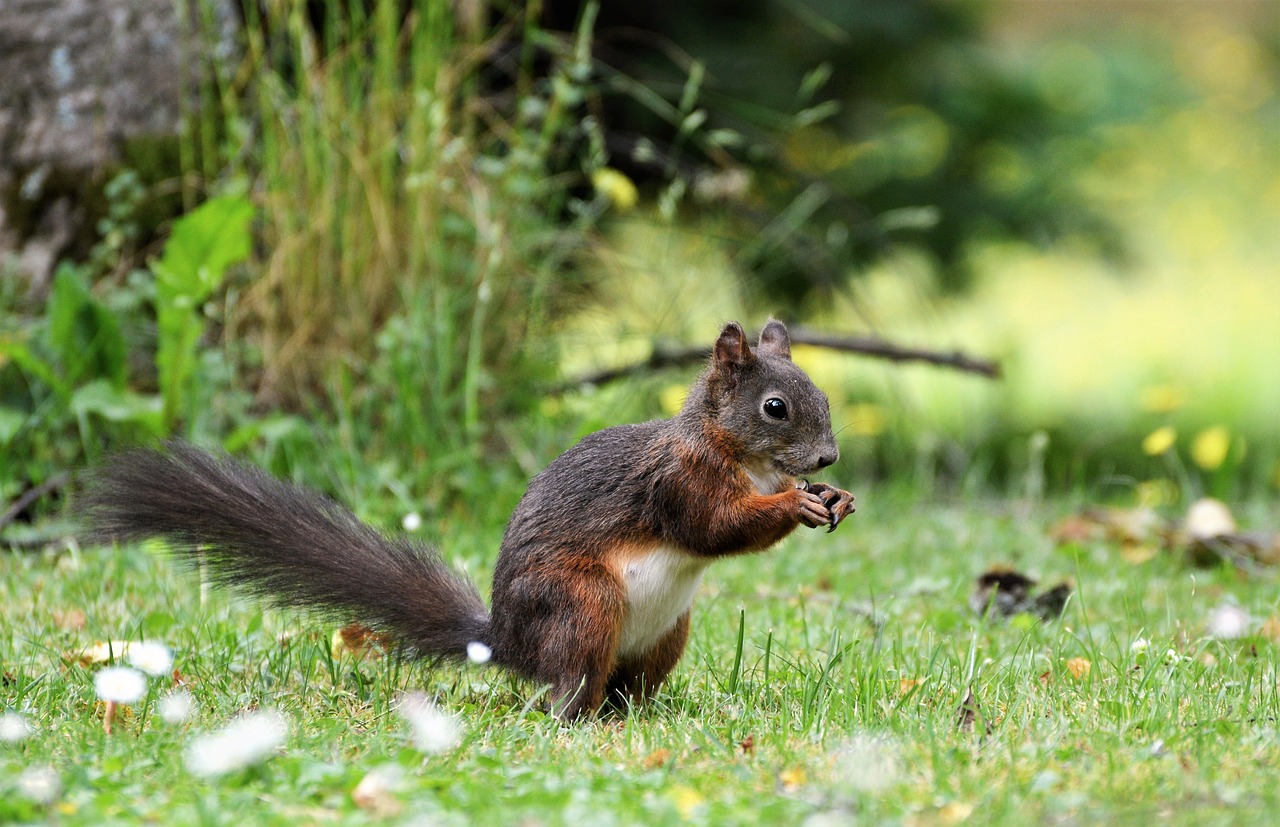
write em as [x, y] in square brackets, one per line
[775, 408]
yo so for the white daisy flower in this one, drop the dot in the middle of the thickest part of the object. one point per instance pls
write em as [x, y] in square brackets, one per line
[434, 731]
[13, 727]
[40, 784]
[153, 658]
[241, 743]
[120, 684]
[1229, 622]
[477, 652]
[175, 707]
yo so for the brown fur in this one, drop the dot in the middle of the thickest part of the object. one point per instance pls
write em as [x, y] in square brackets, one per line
[679, 489]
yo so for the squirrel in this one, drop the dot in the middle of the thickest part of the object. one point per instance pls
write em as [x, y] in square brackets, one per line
[599, 562]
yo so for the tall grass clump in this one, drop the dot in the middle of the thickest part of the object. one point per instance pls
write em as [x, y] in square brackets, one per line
[413, 239]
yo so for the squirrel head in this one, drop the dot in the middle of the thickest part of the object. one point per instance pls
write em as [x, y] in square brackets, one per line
[766, 405]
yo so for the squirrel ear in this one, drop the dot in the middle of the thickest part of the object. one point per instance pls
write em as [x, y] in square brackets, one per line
[731, 348]
[774, 339]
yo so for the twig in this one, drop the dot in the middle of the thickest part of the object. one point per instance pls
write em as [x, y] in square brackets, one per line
[23, 502]
[864, 345]
[871, 346]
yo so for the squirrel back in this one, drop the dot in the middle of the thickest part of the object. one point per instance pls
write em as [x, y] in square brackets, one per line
[599, 563]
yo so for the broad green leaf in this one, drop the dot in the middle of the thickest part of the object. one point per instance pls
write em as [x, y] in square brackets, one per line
[114, 404]
[83, 333]
[11, 422]
[12, 350]
[203, 244]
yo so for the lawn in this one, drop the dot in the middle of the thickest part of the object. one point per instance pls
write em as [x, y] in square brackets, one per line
[826, 682]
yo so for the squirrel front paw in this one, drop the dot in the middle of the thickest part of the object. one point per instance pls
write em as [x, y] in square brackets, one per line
[837, 501]
[811, 509]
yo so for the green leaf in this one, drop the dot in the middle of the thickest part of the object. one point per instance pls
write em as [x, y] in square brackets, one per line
[83, 333]
[114, 404]
[11, 422]
[12, 350]
[203, 244]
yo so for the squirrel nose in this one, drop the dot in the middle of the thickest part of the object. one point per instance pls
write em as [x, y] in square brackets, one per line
[828, 459]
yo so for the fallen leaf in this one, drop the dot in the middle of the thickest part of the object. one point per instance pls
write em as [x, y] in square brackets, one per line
[376, 793]
[72, 620]
[1079, 668]
[657, 758]
[748, 745]
[1076, 528]
[1271, 629]
[100, 652]
[1001, 589]
[359, 641]
[1045, 676]
[1009, 592]
[968, 712]
[1135, 554]
[907, 684]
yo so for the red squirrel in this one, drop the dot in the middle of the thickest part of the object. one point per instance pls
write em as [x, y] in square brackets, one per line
[599, 563]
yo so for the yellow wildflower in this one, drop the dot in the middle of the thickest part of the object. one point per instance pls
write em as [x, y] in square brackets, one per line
[1159, 440]
[1209, 448]
[1161, 398]
[687, 800]
[615, 186]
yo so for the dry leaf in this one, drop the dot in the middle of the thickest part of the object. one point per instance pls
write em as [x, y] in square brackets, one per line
[968, 712]
[657, 758]
[1009, 592]
[376, 793]
[1135, 554]
[359, 641]
[72, 620]
[1079, 668]
[1271, 629]
[748, 745]
[1045, 677]
[100, 652]
[907, 684]
[1077, 528]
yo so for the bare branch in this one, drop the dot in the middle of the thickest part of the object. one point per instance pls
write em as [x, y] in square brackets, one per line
[663, 357]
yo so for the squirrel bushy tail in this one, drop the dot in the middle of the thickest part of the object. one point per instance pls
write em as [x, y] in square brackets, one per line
[288, 544]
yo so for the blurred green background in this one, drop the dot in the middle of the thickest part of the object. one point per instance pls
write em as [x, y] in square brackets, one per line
[420, 221]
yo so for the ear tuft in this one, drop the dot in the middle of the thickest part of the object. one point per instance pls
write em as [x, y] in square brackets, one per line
[732, 349]
[774, 339]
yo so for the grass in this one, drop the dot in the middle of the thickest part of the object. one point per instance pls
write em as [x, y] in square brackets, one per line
[791, 705]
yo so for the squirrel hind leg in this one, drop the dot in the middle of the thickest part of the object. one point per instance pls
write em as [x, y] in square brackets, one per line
[635, 680]
[576, 644]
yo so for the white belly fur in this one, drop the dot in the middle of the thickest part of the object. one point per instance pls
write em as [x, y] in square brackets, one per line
[766, 479]
[660, 587]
